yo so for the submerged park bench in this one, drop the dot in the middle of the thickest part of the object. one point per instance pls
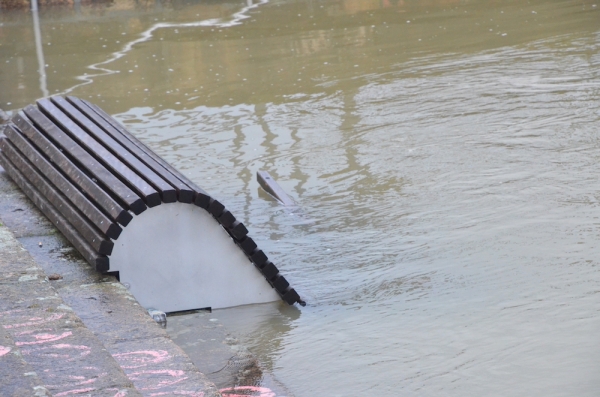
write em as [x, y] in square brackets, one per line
[126, 210]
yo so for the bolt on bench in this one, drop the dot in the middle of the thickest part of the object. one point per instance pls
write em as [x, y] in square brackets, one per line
[126, 210]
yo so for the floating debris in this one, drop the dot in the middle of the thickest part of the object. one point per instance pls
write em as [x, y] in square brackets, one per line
[159, 317]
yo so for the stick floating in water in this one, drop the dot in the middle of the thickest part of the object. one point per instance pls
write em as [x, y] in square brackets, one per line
[267, 182]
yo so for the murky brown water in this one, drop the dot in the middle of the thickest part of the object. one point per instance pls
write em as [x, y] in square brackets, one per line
[449, 152]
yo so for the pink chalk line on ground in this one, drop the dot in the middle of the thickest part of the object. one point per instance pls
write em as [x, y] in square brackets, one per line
[141, 358]
[82, 350]
[177, 376]
[78, 380]
[36, 321]
[4, 350]
[45, 338]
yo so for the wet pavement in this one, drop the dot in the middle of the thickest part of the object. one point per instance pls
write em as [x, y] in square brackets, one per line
[221, 355]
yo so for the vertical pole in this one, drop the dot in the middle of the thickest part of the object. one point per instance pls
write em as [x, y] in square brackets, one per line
[38, 47]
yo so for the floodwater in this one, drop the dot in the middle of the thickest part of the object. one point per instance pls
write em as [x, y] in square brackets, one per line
[444, 155]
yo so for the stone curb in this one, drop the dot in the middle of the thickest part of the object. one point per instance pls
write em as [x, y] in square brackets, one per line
[41, 330]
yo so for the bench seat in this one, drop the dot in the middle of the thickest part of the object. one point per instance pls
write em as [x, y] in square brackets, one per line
[126, 210]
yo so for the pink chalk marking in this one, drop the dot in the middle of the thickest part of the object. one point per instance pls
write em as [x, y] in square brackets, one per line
[121, 393]
[36, 321]
[179, 393]
[141, 358]
[77, 347]
[76, 391]
[45, 338]
[173, 373]
[82, 350]
[4, 350]
[82, 381]
[263, 391]
[68, 346]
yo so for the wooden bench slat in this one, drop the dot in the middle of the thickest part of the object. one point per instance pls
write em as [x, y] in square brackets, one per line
[167, 192]
[91, 234]
[95, 215]
[201, 199]
[127, 197]
[150, 196]
[185, 192]
[114, 210]
[147, 150]
[291, 297]
[100, 262]
[238, 231]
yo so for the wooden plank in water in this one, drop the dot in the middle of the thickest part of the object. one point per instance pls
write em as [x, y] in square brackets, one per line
[100, 262]
[83, 160]
[91, 234]
[150, 196]
[267, 182]
[104, 201]
[91, 212]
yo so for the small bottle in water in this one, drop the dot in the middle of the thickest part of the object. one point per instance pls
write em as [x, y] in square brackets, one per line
[158, 316]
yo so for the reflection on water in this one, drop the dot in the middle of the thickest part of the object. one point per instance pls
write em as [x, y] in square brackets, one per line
[447, 150]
